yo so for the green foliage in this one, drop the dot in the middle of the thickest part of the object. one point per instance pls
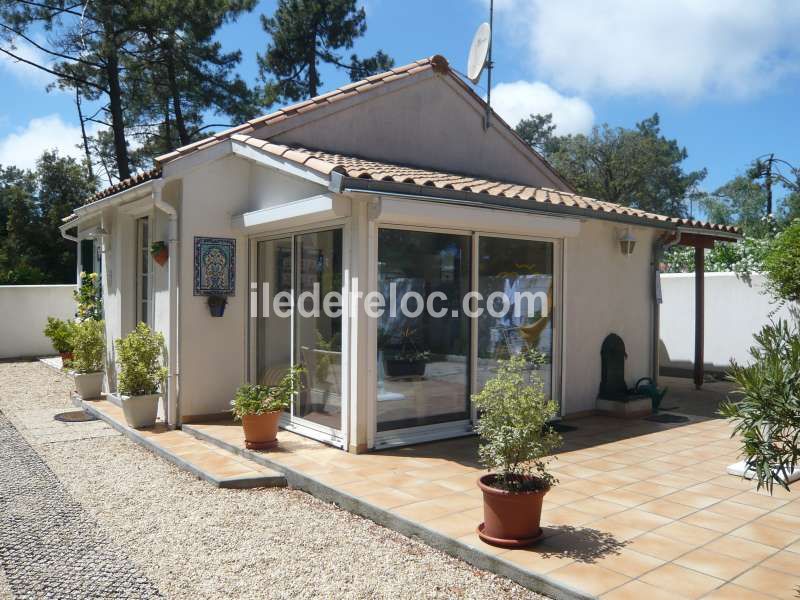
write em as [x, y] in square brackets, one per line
[767, 413]
[89, 346]
[89, 297]
[516, 437]
[739, 202]
[140, 355]
[635, 167]
[253, 399]
[538, 131]
[304, 33]
[408, 349]
[782, 264]
[60, 333]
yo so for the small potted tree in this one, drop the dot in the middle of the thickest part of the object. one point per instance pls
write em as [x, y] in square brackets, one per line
[141, 375]
[408, 360]
[515, 441]
[60, 334]
[259, 408]
[88, 360]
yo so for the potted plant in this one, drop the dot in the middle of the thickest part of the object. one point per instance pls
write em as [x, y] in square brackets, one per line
[89, 297]
[160, 252]
[216, 305]
[515, 441]
[259, 408]
[88, 361]
[409, 359]
[60, 334]
[141, 375]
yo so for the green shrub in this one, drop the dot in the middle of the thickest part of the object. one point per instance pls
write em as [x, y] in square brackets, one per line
[516, 437]
[767, 413]
[782, 264]
[60, 333]
[140, 356]
[89, 297]
[253, 399]
[89, 341]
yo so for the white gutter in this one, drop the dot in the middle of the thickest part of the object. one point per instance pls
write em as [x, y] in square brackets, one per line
[173, 265]
[63, 229]
[137, 191]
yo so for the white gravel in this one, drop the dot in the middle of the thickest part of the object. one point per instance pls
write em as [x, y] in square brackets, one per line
[197, 541]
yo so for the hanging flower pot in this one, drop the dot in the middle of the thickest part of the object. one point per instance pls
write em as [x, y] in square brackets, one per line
[216, 305]
[160, 252]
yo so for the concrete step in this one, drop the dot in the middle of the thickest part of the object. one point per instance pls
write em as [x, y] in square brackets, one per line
[202, 459]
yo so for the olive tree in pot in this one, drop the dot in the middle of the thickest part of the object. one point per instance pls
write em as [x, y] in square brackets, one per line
[515, 441]
[141, 375]
[259, 408]
[89, 348]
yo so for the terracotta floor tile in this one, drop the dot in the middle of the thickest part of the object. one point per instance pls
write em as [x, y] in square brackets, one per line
[641, 519]
[649, 488]
[753, 499]
[453, 525]
[586, 487]
[562, 515]
[596, 507]
[687, 533]
[558, 496]
[737, 547]
[784, 561]
[459, 483]
[360, 487]
[737, 510]
[714, 490]
[767, 581]
[730, 591]
[337, 477]
[793, 508]
[714, 564]
[777, 538]
[660, 546]
[536, 561]
[617, 528]
[425, 510]
[780, 521]
[472, 540]
[638, 590]
[692, 499]
[682, 581]
[715, 521]
[390, 498]
[603, 465]
[624, 497]
[428, 490]
[665, 508]
[629, 562]
[589, 578]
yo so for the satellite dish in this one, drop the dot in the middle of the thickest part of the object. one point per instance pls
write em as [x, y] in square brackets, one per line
[478, 52]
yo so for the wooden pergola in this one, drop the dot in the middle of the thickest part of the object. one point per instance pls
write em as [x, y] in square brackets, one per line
[700, 242]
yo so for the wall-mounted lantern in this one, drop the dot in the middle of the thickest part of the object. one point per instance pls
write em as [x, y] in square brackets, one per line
[627, 242]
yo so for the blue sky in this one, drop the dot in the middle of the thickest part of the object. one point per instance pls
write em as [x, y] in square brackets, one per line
[725, 77]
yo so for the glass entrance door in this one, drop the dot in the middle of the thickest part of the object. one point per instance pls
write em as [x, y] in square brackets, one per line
[294, 274]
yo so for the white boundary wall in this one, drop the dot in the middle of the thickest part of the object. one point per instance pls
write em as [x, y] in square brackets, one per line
[23, 314]
[734, 311]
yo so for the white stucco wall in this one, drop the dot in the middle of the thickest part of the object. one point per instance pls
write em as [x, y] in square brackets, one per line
[734, 311]
[25, 309]
[605, 292]
[431, 123]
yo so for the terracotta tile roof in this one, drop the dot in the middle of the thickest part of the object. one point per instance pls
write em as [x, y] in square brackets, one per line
[435, 63]
[326, 163]
[125, 184]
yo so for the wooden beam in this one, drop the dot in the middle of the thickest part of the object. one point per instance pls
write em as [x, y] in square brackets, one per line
[700, 241]
[699, 314]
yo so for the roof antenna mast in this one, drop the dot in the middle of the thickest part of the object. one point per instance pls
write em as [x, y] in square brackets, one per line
[480, 58]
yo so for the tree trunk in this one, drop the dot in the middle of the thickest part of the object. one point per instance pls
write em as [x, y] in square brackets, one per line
[83, 133]
[175, 93]
[115, 107]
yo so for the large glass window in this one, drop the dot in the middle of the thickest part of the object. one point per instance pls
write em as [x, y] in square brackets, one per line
[522, 271]
[423, 361]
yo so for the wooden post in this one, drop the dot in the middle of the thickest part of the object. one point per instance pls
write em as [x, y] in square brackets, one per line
[699, 313]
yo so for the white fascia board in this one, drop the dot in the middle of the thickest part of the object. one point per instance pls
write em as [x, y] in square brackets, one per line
[183, 164]
[276, 162]
[138, 191]
[427, 213]
[298, 213]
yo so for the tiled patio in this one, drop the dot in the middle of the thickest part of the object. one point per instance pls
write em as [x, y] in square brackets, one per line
[643, 510]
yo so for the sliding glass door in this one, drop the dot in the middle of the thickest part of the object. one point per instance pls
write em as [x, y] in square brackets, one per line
[294, 274]
[423, 359]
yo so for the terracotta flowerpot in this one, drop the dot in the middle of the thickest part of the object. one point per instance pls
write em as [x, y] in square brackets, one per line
[261, 431]
[161, 256]
[66, 356]
[510, 519]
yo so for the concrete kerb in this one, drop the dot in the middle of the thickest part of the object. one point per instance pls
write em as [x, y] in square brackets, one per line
[474, 556]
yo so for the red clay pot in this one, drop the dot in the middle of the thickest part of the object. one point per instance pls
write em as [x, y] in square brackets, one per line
[66, 356]
[261, 431]
[510, 519]
[161, 256]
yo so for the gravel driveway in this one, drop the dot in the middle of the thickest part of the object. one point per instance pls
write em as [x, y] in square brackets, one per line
[191, 540]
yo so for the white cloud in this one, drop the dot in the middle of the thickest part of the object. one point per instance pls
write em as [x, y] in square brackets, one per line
[683, 49]
[520, 99]
[23, 147]
[24, 72]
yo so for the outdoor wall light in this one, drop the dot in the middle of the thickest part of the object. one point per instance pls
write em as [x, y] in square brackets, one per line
[96, 233]
[627, 242]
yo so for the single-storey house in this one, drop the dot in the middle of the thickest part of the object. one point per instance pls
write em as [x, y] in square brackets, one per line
[389, 185]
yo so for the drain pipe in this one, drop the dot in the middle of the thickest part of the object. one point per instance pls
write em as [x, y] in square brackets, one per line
[658, 253]
[173, 266]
